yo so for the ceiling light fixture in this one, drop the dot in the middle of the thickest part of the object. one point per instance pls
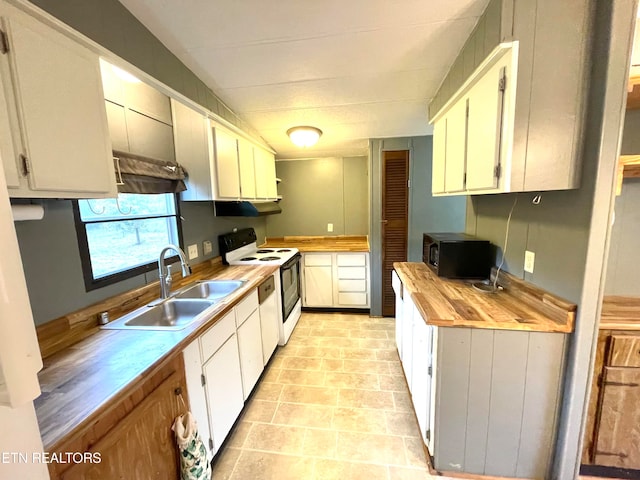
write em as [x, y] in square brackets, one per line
[304, 136]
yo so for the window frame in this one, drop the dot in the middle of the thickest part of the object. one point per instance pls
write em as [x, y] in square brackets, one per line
[92, 283]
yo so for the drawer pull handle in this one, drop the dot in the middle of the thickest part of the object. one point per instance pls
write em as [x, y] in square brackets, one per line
[611, 454]
[622, 384]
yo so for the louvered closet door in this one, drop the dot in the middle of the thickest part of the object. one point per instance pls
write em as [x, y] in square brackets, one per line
[395, 199]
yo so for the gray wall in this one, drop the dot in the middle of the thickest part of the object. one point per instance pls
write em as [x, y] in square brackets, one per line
[426, 213]
[320, 191]
[624, 254]
[51, 258]
[631, 133]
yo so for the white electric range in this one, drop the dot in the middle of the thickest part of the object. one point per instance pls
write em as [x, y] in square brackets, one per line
[240, 248]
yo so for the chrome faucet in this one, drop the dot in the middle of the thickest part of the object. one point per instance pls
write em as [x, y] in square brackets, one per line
[165, 275]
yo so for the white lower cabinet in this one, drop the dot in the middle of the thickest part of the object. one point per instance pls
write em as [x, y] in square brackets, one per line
[222, 366]
[270, 320]
[407, 337]
[397, 288]
[336, 280]
[421, 374]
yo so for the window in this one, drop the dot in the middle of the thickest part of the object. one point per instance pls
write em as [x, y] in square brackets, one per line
[121, 238]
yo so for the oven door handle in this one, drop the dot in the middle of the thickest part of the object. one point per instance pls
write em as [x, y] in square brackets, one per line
[292, 261]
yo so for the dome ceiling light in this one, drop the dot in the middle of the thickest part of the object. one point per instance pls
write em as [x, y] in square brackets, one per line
[304, 136]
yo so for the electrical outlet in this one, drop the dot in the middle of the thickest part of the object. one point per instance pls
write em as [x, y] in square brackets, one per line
[529, 260]
[206, 247]
[193, 251]
[329, 227]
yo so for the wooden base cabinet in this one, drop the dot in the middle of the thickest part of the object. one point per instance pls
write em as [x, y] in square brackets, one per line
[132, 437]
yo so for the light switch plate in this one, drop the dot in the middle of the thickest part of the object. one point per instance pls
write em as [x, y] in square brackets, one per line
[193, 251]
[329, 227]
[529, 261]
[206, 247]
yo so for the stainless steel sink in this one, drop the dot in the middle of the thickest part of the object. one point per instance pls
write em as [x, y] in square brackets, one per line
[210, 289]
[171, 314]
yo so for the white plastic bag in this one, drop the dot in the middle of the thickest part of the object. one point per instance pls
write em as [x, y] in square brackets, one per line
[194, 459]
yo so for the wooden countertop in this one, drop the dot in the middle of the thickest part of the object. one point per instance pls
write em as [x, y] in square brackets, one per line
[79, 382]
[455, 303]
[340, 243]
[620, 313]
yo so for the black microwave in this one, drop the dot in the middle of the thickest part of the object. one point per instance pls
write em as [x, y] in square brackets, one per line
[457, 255]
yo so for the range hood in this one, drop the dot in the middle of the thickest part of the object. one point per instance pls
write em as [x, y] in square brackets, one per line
[246, 209]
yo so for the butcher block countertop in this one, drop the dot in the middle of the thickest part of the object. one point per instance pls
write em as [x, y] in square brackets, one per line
[341, 243]
[455, 303]
[620, 313]
[79, 382]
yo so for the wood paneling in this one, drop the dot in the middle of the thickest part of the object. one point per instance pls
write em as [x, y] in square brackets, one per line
[306, 244]
[455, 303]
[395, 218]
[620, 313]
[65, 331]
[618, 435]
[134, 435]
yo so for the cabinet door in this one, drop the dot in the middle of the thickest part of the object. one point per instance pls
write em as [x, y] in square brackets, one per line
[142, 445]
[421, 373]
[250, 345]
[8, 150]
[224, 390]
[147, 100]
[227, 172]
[397, 288]
[318, 286]
[483, 130]
[149, 137]
[407, 338]
[117, 126]
[61, 107]
[247, 170]
[439, 155]
[269, 326]
[266, 186]
[455, 147]
[618, 435]
[190, 133]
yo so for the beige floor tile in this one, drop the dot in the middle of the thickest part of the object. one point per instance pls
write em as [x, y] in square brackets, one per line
[395, 368]
[366, 333]
[239, 434]
[302, 377]
[358, 420]
[332, 365]
[336, 341]
[303, 341]
[366, 366]
[402, 423]
[368, 447]
[373, 325]
[359, 353]
[402, 401]
[341, 470]
[329, 332]
[225, 463]
[271, 374]
[392, 382]
[259, 410]
[320, 352]
[304, 415]
[275, 438]
[301, 363]
[376, 343]
[267, 391]
[387, 354]
[256, 465]
[320, 443]
[414, 450]
[276, 361]
[404, 473]
[367, 381]
[300, 331]
[307, 394]
[365, 399]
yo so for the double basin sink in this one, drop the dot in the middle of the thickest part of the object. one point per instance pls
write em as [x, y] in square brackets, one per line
[179, 310]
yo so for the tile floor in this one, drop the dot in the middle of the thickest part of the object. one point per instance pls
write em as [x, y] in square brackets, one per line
[332, 404]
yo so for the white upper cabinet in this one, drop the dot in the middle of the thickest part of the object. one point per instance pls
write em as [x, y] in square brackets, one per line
[226, 161]
[64, 145]
[473, 134]
[8, 149]
[266, 186]
[247, 169]
[191, 137]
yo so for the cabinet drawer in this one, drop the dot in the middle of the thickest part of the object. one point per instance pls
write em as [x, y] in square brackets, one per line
[318, 260]
[246, 307]
[352, 298]
[352, 273]
[352, 285]
[351, 260]
[215, 337]
[625, 351]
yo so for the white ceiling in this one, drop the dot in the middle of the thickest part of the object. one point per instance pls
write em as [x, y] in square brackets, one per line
[356, 69]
